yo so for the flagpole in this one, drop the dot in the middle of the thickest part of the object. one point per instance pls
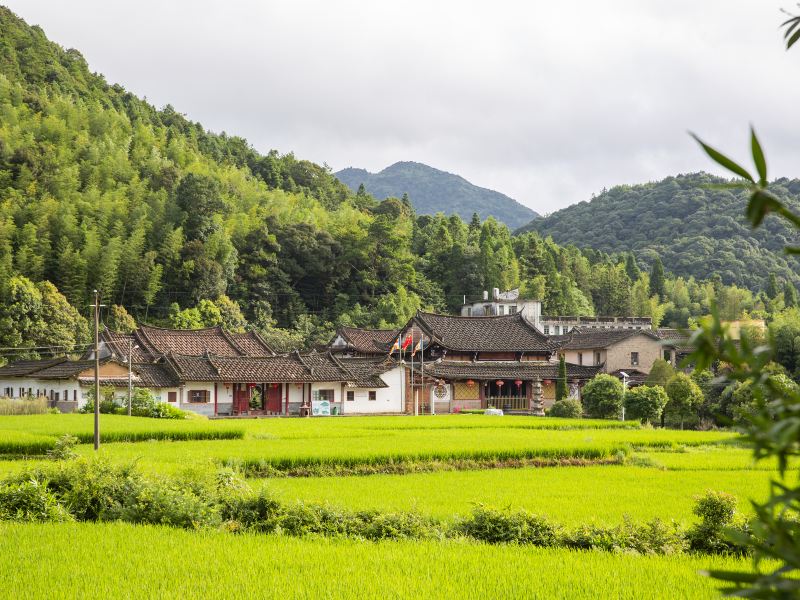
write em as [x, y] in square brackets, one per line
[413, 391]
[422, 345]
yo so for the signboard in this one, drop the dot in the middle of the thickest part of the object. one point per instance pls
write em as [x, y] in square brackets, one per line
[320, 408]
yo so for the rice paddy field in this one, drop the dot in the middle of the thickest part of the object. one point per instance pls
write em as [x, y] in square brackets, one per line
[625, 470]
[127, 561]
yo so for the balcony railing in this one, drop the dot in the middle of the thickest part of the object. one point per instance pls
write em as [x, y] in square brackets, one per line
[508, 402]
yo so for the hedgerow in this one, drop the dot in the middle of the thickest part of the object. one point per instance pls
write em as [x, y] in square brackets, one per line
[95, 490]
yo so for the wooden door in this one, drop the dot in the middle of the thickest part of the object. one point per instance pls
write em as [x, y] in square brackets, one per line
[273, 398]
[241, 402]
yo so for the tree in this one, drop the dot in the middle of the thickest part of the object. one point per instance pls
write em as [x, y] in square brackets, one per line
[657, 279]
[660, 373]
[561, 382]
[789, 294]
[199, 197]
[231, 317]
[569, 408]
[631, 268]
[119, 320]
[772, 287]
[685, 397]
[603, 396]
[646, 403]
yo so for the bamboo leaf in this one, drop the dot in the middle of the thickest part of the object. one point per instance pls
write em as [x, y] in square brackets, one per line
[758, 157]
[723, 160]
[791, 41]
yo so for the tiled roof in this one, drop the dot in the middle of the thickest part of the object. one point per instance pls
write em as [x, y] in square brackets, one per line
[65, 370]
[675, 338]
[145, 374]
[154, 342]
[118, 344]
[511, 333]
[457, 370]
[22, 368]
[293, 367]
[586, 339]
[252, 344]
[366, 372]
[368, 341]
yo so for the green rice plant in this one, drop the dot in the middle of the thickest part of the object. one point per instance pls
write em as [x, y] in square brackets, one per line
[22, 443]
[32, 560]
[113, 428]
[576, 495]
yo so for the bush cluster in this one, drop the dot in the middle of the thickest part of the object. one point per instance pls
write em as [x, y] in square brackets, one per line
[95, 490]
[569, 408]
[143, 404]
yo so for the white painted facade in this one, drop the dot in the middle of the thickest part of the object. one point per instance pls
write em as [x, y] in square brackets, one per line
[387, 400]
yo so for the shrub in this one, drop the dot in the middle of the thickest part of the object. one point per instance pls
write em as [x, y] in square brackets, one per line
[602, 397]
[64, 448]
[30, 500]
[645, 403]
[717, 511]
[495, 527]
[685, 397]
[394, 526]
[654, 537]
[163, 503]
[570, 408]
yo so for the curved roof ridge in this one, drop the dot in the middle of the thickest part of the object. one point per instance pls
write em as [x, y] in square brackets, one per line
[516, 315]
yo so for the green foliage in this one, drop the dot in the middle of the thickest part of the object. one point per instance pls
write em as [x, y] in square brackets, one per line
[603, 396]
[119, 320]
[561, 381]
[30, 501]
[503, 527]
[645, 403]
[660, 373]
[694, 223]
[717, 511]
[569, 408]
[685, 398]
[64, 448]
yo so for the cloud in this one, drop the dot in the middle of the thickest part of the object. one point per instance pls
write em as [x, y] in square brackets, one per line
[547, 102]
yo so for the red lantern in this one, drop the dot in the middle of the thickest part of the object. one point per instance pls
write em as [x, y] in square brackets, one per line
[547, 382]
[470, 383]
[499, 382]
[518, 382]
[273, 385]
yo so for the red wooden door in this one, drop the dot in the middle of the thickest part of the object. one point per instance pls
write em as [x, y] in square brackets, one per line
[241, 401]
[273, 396]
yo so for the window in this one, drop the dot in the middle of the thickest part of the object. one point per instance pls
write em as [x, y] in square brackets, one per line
[547, 330]
[198, 396]
[373, 395]
[512, 310]
[580, 358]
[351, 395]
[634, 359]
[323, 395]
[469, 311]
[74, 395]
[172, 396]
[596, 358]
[501, 309]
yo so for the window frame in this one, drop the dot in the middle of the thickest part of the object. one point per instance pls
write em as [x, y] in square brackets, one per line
[634, 359]
[205, 394]
[350, 396]
[372, 396]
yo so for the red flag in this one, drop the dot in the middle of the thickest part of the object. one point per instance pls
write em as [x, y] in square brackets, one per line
[407, 342]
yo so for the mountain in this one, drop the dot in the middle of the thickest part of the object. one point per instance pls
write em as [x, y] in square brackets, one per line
[695, 225]
[432, 191]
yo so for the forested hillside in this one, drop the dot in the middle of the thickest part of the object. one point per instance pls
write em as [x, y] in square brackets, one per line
[178, 226]
[695, 225]
[431, 190]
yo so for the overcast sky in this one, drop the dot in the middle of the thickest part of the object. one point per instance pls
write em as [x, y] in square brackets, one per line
[545, 101]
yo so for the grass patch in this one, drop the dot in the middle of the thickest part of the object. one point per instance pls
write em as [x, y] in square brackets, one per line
[32, 559]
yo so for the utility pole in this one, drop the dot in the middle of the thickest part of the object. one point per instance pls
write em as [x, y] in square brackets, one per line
[96, 370]
[131, 348]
